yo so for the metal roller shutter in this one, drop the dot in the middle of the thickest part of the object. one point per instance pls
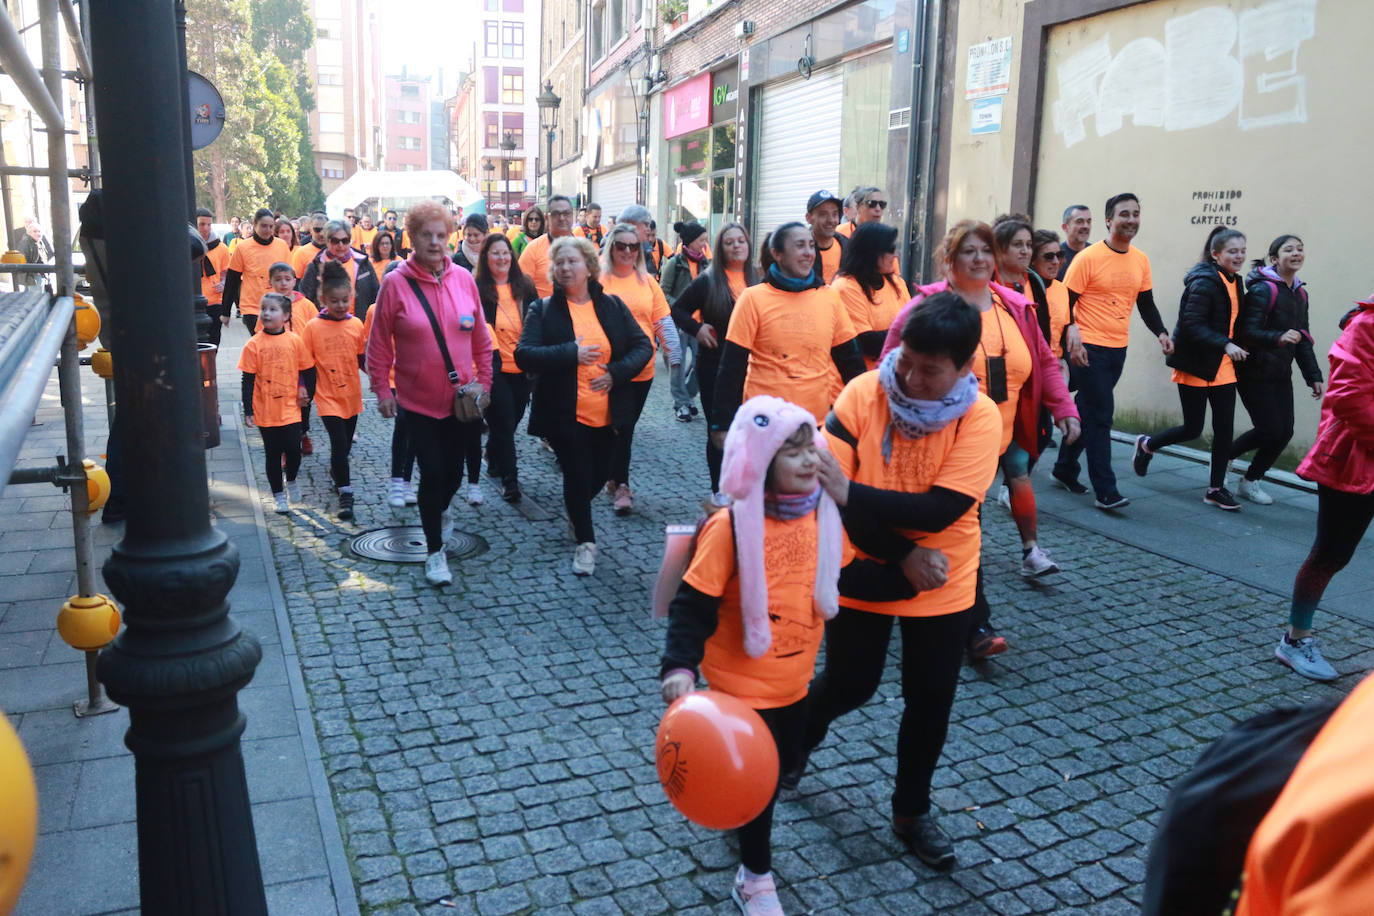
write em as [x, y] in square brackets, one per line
[799, 147]
[614, 191]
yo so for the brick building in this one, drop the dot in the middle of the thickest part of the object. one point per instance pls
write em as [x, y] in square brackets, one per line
[562, 62]
[345, 127]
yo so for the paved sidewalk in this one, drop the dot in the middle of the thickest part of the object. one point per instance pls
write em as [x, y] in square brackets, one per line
[86, 858]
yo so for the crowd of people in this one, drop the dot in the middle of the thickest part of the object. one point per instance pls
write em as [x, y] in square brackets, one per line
[854, 426]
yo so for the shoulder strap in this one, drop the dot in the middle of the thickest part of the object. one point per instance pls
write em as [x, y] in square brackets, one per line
[438, 333]
[1273, 300]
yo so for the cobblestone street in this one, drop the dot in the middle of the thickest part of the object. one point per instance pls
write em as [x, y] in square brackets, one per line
[491, 744]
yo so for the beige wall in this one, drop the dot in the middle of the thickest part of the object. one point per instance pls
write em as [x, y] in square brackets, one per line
[1167, 99]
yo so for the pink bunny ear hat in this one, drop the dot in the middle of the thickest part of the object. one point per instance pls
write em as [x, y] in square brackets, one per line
[760, 427]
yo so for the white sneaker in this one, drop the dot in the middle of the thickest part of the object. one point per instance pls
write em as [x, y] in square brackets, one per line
[411, 498]
[1305, 658]
[757, 895]
[1004, 498]
[446, 527]
[584, 559]
[293, 490]
[396, 493]
[1251, 490]
[436, 569]
[282, 506]
[475, 494]
[1036, 564]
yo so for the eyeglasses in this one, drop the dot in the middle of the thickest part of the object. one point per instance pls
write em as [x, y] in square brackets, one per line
[625, 246]
[1052, 255]
[879, 204]
[339, 240]
[317, 229]
[561, 214]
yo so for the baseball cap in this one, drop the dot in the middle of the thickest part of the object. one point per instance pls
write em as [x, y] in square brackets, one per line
[821, 197]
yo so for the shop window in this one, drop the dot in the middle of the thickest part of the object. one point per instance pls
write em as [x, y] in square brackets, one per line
[867, 98]
[723, 147]
[513, 87]
[512, 40]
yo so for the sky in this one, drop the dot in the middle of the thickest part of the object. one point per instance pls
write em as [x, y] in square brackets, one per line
[425, 35]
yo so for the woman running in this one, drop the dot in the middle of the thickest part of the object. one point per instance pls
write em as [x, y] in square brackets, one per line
[506, 293]
[1274, 331]
[1204, 358]
[623, 275]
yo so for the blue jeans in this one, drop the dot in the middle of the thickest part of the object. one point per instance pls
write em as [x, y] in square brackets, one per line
[1096, 406]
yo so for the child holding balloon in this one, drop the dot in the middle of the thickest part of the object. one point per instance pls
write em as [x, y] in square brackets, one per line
[752, 606]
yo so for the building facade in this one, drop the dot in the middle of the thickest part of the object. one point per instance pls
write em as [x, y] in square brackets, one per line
[346, 127]
[563, 64]
[406, 113]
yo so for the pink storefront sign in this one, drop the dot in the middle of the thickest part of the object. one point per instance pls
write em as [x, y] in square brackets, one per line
[688, 107]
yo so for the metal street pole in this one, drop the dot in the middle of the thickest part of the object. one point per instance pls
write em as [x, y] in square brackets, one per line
[179, 664]
[198, 300]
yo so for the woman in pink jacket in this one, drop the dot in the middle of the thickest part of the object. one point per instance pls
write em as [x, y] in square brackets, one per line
[1017, 369]
[403, 337]
[1341, 463]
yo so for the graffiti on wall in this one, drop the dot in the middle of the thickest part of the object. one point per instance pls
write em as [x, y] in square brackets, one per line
[1211, 64]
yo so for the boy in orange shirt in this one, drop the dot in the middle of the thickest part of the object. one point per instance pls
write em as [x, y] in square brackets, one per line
[277, 375]
[337, 343]
[283, 279]
[753, 603]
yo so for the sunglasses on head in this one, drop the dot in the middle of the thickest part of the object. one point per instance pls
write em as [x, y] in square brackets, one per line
[880, 204]
[625, 246]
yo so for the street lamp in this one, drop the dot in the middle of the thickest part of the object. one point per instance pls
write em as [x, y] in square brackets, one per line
[507, 147]
[548, 119]
[489, 167]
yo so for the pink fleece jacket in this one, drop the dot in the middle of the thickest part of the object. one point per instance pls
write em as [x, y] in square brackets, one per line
[403, 337]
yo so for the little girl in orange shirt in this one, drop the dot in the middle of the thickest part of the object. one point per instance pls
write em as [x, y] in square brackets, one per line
[277, 375]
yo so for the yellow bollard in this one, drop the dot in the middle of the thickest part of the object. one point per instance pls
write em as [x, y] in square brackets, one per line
[88, 623]
[97, 486]
[102, 363]
[87, 323]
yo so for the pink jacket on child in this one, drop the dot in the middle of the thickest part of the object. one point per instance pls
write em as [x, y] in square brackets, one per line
[403, 337]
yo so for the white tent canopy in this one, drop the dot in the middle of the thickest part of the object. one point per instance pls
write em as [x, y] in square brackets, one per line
[391, 188]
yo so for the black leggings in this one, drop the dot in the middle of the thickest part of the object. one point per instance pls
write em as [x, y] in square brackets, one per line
[340, 430]
[439, 448]
[1195, 400]
[855, 654]
[1342, 520]
[584, 454]
[788, 726]
[510, 395]
[279, 441]
[624, 438]
[708, 363]
[472, 451]
[1270, 405]
[402, 451]
[251, 323]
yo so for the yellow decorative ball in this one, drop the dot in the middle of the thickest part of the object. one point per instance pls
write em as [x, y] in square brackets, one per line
[102, 363]
[87, 323]
[19, 826]
[97, 485]
[12, 257]
[88, 623]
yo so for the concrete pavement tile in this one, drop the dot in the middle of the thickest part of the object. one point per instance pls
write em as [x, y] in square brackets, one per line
[311, 897]
[105, 793]
[57, 788]
[50, 687]
[270, 711]
[84, 888]
[57, 736]
[289, 845]
[276, 769]
[55, 585]
[17, 616]
[24, 648]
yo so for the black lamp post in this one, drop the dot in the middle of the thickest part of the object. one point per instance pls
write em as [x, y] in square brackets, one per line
[181, 661]
[507, 147]
[548, 119]
[490, 168]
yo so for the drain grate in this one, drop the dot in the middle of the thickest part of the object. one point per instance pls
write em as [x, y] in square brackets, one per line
[406, 544]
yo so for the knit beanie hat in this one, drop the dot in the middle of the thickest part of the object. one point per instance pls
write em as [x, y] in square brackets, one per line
[761, 425]
[689, 231]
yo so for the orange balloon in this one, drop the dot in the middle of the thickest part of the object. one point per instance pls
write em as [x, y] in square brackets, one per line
[717, 761]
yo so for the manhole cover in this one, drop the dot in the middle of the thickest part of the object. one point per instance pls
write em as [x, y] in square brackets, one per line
[406, 544]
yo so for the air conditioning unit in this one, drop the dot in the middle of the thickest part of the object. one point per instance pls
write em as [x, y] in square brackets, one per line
[744, 28]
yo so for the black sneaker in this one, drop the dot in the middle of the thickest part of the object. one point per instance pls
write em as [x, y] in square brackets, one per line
[983, 643]
[511, 492]
[684, 414]
[1069, 483]
[345, 507]
[923, 836]
[1112, 500]
[1222, 499]
[1140, 461]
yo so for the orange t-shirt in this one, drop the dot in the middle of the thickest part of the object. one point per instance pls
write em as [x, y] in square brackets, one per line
[300, 257]
[828, 260]
[1107, 282]
[1313, 854]
[534, 262]
[253, 259]
[362, 238]
[335, 347]
[1226, 372]
[1057, 298]
[302, 312]
[781, 676]
[509, 323]
[961, 457]
[380, 266]
[219, 260]
[593, 407]
[877, 315]
[276, 361]
[738, 282]
[1001, 337]
[646, 302]
[789, 337]
[845, 229]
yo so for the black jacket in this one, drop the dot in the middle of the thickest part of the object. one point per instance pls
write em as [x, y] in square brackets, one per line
[1268, 310]
[1204, 321]
[366, 285]
[547, 350]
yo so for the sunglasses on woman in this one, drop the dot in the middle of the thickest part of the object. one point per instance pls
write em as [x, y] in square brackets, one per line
[880, 204]
[625, 246]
